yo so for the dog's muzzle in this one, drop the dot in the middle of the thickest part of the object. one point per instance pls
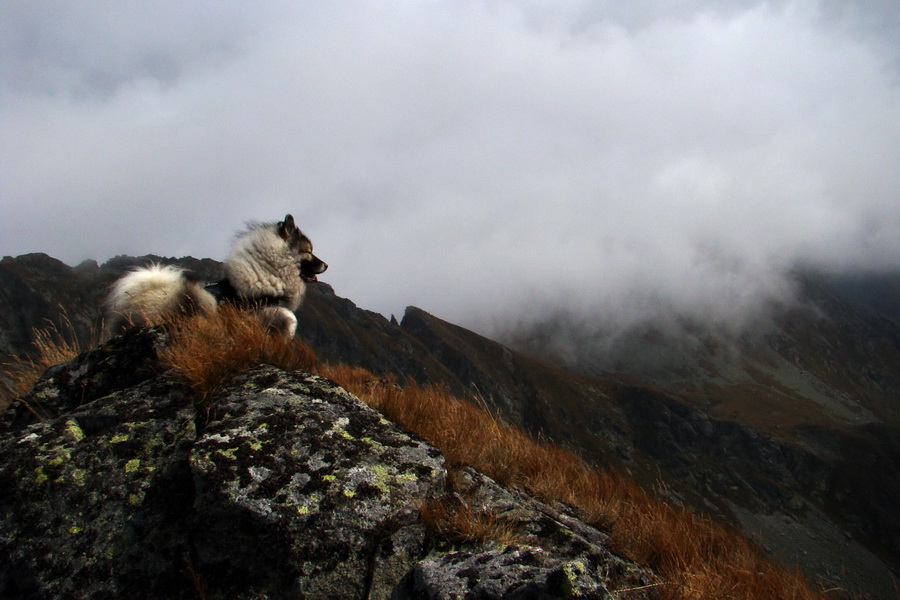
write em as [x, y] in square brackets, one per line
[310, 268]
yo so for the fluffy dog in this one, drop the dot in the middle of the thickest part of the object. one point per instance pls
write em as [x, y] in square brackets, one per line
[267, 271]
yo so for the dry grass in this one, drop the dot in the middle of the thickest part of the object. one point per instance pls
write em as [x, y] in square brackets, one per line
[51, 347]
[697, 558]
[464, 523]
[207, 349]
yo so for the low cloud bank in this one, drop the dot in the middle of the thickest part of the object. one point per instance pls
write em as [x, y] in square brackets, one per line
[492, 163]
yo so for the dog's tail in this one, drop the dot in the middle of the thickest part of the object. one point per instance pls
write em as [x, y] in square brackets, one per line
[150, 295]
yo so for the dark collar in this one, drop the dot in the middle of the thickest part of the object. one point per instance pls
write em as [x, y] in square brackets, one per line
[224, 292]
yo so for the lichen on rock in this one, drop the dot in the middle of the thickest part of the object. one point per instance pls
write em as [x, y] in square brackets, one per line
[289, 461]
[289, 487]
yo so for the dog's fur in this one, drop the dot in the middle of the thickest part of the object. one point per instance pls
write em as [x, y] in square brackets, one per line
[267, 271]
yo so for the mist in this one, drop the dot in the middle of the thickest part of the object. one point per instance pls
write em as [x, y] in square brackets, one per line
[494, 163]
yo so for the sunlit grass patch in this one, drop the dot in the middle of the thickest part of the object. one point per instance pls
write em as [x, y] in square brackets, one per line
[207, 349]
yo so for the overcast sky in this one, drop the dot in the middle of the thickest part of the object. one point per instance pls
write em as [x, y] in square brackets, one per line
[481, 160]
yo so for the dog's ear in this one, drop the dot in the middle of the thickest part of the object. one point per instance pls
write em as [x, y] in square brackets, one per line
[286, 228]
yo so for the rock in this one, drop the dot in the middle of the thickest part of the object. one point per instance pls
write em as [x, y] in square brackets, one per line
[295, 464]
[683, 408]
[117, 364]
[100, 510]
[289, 487]
[559, 556]
[499, 572]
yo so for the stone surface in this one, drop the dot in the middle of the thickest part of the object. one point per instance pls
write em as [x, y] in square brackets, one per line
[295, 464]
[559, 556]
[499, 572]
[289, 487]
[117, 364]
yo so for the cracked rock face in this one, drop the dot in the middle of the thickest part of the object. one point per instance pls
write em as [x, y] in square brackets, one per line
[289, 488]
[559, 555]
[296, 465]
[504, 572]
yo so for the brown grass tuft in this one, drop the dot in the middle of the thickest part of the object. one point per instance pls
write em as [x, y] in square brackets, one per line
[51, 347]
[207, 349]
[464, 523]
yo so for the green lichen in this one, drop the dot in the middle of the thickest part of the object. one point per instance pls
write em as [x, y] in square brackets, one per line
[382, 476]
[74, 430]
[573, 571]
[152, 442]
[310, 504]
[375, 444]
[59, 459]
[119, 438]
[132, 465]
[47, 394]
[40, 477]
[78, 476]
[229, 453]
[338, 428]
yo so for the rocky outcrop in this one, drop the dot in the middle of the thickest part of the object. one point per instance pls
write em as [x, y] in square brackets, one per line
[286, 487]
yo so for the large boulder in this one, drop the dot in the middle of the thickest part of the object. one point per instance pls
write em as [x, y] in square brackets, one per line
[287, 487]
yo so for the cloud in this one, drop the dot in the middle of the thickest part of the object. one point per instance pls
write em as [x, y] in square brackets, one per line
[486, 161]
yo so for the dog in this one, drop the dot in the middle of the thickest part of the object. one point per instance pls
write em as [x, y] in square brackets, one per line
[267, 271]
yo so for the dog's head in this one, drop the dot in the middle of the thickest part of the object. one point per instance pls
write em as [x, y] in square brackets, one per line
[309, 264]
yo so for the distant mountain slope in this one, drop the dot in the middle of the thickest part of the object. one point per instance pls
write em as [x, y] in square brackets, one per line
[831, 359]
[36, 290]
[790, 433]
[878, 293]
[816, 494]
